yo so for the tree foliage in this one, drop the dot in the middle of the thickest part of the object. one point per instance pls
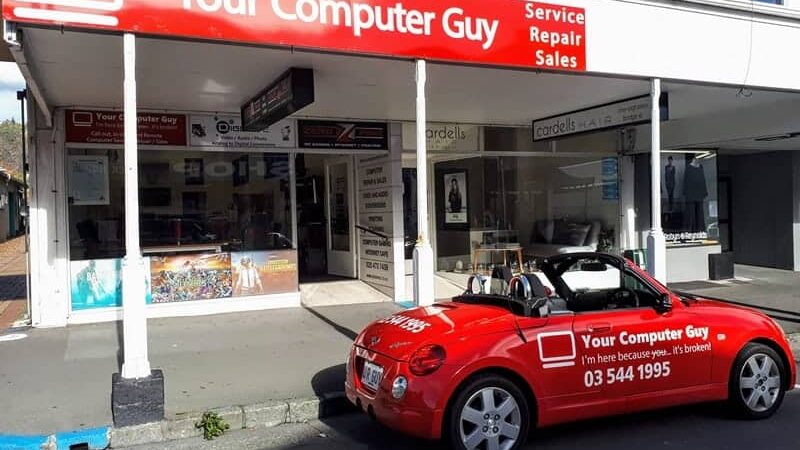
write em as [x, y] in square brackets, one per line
[11, 147]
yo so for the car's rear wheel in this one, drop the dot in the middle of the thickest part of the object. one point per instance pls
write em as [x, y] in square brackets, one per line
[489, 413]
[758, 382]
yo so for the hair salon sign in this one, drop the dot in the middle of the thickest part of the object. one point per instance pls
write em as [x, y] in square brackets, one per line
[499, 32]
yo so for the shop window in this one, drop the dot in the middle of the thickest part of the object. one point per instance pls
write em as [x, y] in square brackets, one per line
[689, 203]
[523, 208]
[212, 225]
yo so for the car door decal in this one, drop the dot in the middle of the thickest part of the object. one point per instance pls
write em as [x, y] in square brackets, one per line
[557, 349]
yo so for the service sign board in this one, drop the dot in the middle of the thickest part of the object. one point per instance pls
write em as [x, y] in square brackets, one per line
[107, 127]
[225, 131]
[500, 32]
[329, 134]
[376, 254]
[291, 92]
[443, 137]
[611, 115]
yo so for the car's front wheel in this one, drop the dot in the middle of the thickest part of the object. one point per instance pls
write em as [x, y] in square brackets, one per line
[758, 382]
[490, 413]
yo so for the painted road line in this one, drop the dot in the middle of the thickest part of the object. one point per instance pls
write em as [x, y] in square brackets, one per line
[13, 337]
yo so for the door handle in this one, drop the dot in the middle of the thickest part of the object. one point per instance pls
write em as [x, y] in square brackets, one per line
[599, 327]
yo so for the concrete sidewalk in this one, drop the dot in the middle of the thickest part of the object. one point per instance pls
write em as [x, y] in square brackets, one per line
[60, 379]
[774, 292]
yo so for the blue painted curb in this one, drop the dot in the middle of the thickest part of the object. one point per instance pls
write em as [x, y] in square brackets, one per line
[406, 305]
[97, 438]
[11, 442]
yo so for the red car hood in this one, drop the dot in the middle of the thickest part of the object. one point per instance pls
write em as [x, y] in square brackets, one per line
[401, 334]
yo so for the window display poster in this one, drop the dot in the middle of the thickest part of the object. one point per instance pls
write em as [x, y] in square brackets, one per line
[264, 272]
[191, 277]
[97, 283]
[689, 197]
[610, 170]
[88, 180]
[455, 201]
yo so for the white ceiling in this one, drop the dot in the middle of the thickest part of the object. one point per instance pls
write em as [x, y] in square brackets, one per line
[86, 70]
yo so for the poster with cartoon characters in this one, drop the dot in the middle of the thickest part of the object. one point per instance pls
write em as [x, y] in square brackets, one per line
[191, 277]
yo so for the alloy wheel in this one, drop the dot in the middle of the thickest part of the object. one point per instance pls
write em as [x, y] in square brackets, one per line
[760, 382]
[490, 420]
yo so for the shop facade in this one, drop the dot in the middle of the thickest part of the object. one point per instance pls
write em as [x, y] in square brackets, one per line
[234, 219]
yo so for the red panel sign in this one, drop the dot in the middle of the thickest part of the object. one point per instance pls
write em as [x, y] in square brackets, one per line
[107, 127]
[498, 32]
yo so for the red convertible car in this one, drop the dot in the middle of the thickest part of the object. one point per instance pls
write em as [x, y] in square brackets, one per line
[590, 335]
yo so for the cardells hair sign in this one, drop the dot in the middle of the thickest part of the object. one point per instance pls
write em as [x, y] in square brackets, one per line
[499, 32]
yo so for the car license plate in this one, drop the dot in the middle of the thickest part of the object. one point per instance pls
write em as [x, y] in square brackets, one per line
[371, 377]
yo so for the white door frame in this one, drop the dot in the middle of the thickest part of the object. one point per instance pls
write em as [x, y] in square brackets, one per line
[342, 263]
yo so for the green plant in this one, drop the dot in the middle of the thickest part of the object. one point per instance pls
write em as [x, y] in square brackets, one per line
[212, 425]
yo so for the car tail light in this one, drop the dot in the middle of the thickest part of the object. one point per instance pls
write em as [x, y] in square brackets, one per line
[426, 360]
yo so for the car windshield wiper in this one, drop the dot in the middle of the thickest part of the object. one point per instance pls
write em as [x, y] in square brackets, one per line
[685, 297]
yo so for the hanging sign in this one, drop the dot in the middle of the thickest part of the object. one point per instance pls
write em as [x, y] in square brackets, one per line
[291, 92]
[623, 113]
[88, 180]
[108, 127]
[325, 134]
[500, 32]
[217, 130]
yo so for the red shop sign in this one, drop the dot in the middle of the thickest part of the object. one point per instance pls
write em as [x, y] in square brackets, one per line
[107, 127]
[497, 32]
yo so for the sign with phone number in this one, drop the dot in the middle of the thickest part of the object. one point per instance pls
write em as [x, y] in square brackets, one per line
[616, 375]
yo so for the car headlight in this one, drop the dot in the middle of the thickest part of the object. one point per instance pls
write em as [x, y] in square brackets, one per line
[399, 387]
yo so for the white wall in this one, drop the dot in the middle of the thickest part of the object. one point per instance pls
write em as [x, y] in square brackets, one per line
[689, 41]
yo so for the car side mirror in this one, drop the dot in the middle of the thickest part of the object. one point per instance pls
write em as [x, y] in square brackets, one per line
[664, 303]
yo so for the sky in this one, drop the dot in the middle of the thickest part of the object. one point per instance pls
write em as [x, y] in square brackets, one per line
[11, 81]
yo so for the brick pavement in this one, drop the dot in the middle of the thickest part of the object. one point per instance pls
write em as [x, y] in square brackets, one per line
[13, 289]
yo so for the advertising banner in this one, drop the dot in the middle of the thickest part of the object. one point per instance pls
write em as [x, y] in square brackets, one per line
[501, 32]
[97, 283]
[612, 115]
[217, 130]
[443, 137]
[325, 134]
[191, 277]
[107, 127]
[264, 272]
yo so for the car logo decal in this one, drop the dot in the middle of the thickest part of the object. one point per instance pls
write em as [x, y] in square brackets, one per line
[552, 351]
[374, 341]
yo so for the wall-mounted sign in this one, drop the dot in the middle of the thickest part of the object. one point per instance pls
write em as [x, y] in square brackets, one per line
[210, 130]
[88, 180]
[500, 32]
[291, 92]
[443, 137]
[107, 127]
[324, 134]
[623, 113]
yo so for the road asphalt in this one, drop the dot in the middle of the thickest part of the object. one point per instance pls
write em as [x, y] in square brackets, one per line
[696, 427]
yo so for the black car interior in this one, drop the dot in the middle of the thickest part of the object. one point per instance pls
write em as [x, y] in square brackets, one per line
[528, 297]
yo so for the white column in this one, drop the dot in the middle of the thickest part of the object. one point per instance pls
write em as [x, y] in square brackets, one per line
[656, 244]
[423, 252]
[134, 322]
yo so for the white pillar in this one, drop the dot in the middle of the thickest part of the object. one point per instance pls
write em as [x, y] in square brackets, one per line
[423, 252]
[134, 322]
[656, 244]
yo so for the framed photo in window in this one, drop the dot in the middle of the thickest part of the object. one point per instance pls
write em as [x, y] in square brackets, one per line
[193, 171]
[455, 199]
[241, 171]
